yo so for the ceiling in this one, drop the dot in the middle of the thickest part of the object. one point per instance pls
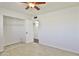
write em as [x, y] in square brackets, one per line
[49, 7]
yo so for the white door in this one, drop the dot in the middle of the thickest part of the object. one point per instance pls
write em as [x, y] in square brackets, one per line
[29, 31]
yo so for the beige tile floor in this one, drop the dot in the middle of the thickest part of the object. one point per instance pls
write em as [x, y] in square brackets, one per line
[33, 49]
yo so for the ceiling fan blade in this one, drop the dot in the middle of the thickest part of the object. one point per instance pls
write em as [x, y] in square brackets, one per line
[27, 7]
[40, 2]
[24, 2]
[36, 8]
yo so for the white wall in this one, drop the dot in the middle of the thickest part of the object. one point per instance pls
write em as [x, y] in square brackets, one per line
[60, 29]
[12, 13]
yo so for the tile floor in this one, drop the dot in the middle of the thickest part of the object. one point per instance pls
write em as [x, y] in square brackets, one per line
[33, 49]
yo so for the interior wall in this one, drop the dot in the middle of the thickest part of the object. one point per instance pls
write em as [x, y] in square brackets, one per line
[8, 12]
[14, 30]
[60, 29]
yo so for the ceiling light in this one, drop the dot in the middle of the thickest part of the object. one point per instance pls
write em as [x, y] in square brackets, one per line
[31, 4]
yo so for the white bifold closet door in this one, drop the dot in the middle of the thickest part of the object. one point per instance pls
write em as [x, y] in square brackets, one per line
[14, 30]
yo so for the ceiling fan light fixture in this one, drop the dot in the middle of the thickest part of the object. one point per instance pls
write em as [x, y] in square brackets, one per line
[31, 5]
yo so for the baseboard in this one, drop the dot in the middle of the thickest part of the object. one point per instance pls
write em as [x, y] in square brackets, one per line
[61, 48]
[14, 43]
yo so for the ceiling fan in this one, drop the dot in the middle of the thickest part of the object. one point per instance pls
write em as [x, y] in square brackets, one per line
[33, 5]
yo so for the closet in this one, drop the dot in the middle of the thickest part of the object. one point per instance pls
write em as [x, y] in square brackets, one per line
[14, 30]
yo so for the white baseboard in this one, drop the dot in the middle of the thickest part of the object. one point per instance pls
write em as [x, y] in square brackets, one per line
[69, 50]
